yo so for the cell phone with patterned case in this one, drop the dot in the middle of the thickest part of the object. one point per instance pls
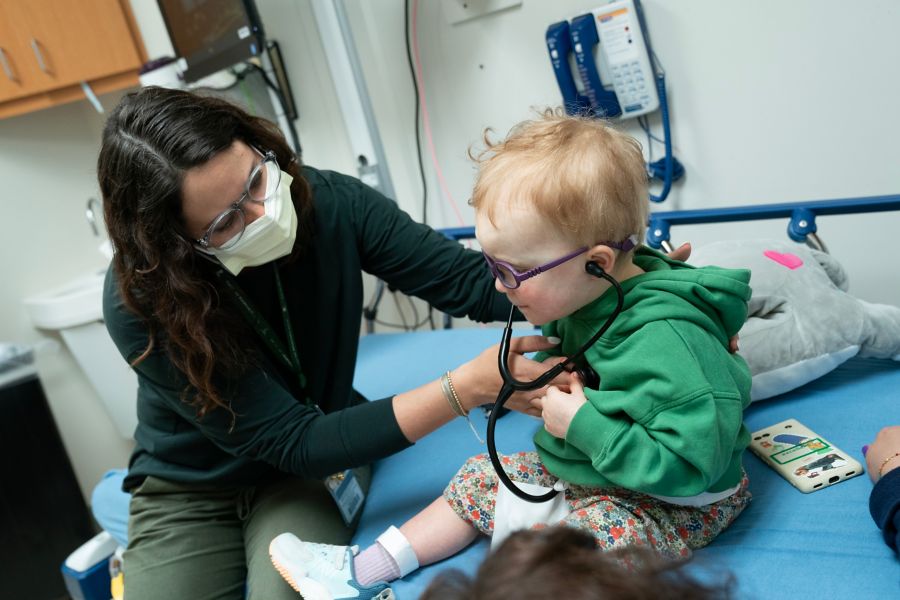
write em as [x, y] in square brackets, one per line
[807, 460]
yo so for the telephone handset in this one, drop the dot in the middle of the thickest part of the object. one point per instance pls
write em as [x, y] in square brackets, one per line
[584, 40]
[559, 44]
[612, 61]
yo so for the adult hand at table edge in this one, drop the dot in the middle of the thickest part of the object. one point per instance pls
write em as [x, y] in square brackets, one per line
[884, 448]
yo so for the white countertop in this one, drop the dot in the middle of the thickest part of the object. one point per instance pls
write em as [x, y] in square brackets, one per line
[17, 374]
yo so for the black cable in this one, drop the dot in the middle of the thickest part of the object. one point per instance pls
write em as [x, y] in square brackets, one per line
[398, 326]
[642, 121]
[412, 73]
[429, 318]
[291, 129]
[645, 125]
[400, 312]
[415, 82]
[405, 326]
[415, 312]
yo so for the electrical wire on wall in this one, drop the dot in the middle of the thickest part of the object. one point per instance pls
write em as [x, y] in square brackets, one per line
[426, 122]
[415, 82]
[295, 139]
[657, 169]
[371, 310]
[422, 121]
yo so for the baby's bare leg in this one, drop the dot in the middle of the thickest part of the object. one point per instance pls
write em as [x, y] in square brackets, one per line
[437, 532]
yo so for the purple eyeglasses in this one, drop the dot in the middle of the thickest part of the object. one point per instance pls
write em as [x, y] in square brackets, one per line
[510, 278]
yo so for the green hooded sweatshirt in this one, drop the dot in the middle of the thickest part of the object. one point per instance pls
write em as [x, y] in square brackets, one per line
[668, 417]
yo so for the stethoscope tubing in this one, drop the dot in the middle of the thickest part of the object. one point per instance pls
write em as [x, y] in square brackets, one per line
[511, 385]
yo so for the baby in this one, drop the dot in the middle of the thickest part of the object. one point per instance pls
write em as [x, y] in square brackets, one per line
[652, 458]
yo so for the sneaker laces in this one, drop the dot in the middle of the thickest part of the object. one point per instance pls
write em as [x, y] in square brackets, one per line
[333, 556]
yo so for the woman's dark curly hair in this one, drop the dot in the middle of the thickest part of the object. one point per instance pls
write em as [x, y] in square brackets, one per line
[150, 140]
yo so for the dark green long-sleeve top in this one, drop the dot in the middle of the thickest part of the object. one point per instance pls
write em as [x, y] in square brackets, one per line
[357, 229]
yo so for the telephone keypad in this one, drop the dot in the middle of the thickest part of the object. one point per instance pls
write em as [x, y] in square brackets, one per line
[630, 86]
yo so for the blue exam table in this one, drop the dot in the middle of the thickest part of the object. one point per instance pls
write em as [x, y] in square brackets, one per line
[785, 545]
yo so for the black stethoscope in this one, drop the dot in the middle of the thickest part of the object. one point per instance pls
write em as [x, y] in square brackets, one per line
[511, 384]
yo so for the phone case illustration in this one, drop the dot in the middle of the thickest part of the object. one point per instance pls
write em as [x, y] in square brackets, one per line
[807, 460]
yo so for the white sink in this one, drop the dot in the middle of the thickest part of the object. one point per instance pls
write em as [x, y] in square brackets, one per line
[76, 311]
[78, 302]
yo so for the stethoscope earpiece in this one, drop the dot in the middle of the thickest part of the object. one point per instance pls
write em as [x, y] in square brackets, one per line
[594, 269]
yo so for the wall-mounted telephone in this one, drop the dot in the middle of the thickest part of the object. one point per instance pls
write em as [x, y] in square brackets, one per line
[617, 74]
[609, 50]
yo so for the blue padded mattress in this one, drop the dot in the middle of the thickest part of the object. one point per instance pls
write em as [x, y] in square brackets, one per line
[785, 545]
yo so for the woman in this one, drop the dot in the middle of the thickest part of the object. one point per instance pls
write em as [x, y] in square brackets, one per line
[236, 294]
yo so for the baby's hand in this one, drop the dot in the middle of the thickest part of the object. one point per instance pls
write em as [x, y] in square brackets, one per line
[558, 408]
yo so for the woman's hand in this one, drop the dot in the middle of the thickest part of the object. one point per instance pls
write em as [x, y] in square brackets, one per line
[478, 381]
[886, 444]
[558, 408]
[681, 253]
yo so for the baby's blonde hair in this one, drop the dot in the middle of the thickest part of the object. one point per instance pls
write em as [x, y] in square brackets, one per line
[579, 173]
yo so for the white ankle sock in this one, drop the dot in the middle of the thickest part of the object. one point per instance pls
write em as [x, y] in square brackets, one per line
[390, 557]
[396, 544]
[374, 564]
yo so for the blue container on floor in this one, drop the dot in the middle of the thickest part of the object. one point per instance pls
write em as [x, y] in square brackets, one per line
[86, 571]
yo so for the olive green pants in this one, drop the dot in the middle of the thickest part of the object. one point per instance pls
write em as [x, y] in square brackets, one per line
[204, 543]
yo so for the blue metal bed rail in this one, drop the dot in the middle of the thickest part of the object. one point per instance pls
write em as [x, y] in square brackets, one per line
[802, 216]
[801, 228]
[458, 233]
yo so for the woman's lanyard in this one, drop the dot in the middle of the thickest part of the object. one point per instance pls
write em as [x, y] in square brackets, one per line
[343, 486]
[289, 357]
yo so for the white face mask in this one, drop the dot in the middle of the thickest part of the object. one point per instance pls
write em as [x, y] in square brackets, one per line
[269, 237]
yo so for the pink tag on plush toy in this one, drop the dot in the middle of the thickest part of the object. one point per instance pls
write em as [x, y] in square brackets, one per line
[791, 261]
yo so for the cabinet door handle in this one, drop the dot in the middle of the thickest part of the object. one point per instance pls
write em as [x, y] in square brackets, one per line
[6, 68]
[40, 57]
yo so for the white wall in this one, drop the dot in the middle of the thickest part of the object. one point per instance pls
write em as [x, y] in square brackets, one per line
[47, 166]
[764, 100]
[771, 101]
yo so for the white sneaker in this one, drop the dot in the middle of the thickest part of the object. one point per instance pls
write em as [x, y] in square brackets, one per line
[322, 571]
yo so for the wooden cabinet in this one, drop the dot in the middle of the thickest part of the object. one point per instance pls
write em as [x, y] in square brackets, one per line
[49, 47]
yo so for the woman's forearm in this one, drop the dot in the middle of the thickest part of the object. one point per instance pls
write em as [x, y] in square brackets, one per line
[422, 410]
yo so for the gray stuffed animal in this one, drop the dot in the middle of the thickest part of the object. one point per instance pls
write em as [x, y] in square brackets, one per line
[802, 323]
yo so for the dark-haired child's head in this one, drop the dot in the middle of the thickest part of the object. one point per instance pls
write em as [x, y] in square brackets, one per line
[561, 562]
